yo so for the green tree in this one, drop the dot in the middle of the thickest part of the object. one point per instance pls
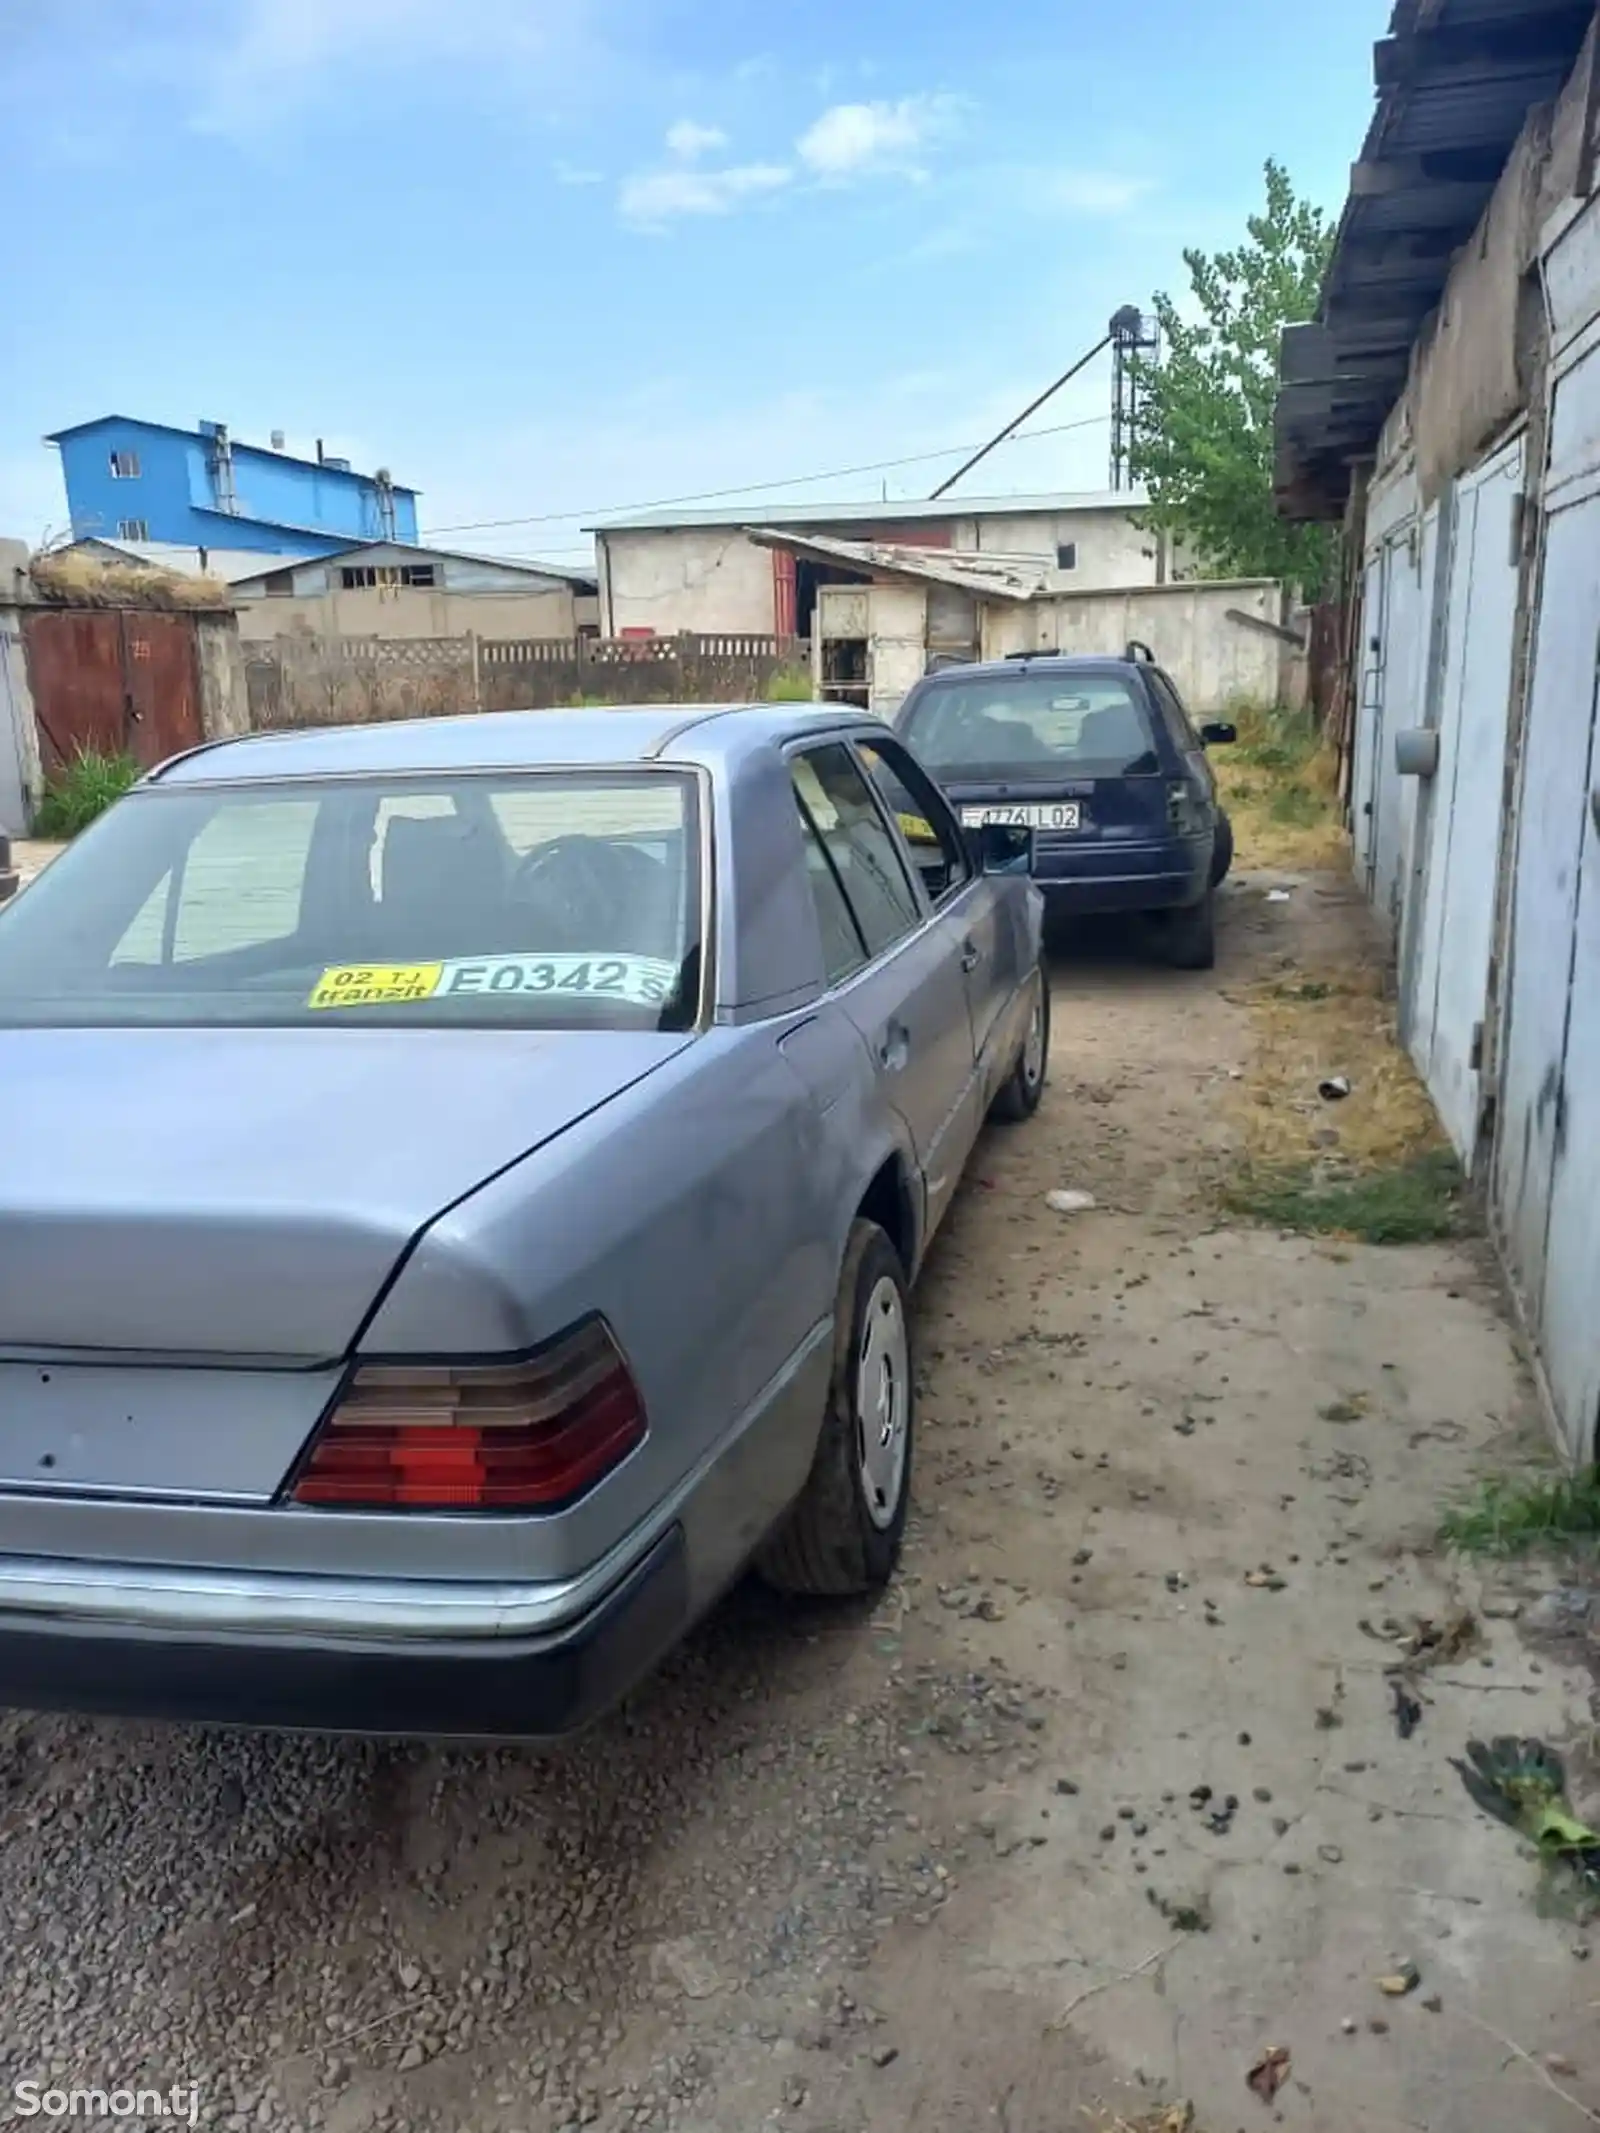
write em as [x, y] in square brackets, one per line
[1203, 443]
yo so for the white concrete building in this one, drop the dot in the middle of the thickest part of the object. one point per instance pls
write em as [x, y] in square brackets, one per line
[665, 572]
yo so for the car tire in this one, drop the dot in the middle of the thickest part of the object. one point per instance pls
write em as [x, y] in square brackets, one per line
[1019, 1095]
[842, 1535]
[1189, 936]
[1222, 851]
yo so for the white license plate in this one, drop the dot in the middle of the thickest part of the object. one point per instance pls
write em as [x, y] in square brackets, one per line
[1038, 815]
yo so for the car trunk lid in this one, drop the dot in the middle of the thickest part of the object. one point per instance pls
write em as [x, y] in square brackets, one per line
[247, 1194]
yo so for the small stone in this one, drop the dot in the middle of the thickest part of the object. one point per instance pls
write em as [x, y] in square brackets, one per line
[1262, 1794]
[885, 2054]
[1559, 2063]
[1107, 1834]
[1141, 1829]
[1084, 1555]
[1580, 1951]
[1066, 1788]
[1290, 1867]
[794, 2092]
[1404, 1978]
[1331, 1853]
[1434, 2004]
[1378, 2026]
[1126, 1814]
[1349, 2026]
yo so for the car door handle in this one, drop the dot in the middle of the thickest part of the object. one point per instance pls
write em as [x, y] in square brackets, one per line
[971, 955]
[894, 1048]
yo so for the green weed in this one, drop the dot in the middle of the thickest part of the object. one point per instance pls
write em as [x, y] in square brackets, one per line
[790, 685]
[75, 796]
[1514, 1517]
[1416, 1202]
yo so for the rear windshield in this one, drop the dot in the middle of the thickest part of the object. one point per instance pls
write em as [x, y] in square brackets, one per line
[556, 900]
[1032, 726]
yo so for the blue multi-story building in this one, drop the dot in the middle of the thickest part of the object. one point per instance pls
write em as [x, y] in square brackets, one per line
[136, 481]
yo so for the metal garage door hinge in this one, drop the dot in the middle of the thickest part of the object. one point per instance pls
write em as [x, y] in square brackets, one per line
[1526, 511]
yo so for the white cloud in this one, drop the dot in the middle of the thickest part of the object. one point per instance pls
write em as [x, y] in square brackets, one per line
[1096, 192]
[690, 141]
[849, 140]
[654, 198]
[274, 53]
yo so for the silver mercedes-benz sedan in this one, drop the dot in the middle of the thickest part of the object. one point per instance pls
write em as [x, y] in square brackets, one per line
[459, 1185]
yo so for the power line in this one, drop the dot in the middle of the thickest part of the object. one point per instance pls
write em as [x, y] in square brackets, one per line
[755, 488]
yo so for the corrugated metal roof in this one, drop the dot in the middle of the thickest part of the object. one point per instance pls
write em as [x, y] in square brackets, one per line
[880, 513]
[1457, 80]
[992, 577]
[525, 565]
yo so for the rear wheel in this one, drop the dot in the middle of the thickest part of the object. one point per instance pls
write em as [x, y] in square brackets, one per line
[843, 1533]
[1018, 1096]
[1221, 851]
[1189, 937]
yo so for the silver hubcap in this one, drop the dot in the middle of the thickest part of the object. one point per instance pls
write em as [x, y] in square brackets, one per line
[1033, 1049]
[883, 1402]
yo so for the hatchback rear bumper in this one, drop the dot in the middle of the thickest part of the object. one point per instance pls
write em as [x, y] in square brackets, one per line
[1083, 880]
[497, 1680]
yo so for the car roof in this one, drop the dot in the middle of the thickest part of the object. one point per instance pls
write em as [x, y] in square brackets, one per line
[1053, 662]
[708, 734]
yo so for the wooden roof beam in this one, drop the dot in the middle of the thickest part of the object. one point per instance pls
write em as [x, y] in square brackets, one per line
[1551, 34]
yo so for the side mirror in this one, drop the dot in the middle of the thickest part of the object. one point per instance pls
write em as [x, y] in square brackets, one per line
[1218, 734]
[1002, 848]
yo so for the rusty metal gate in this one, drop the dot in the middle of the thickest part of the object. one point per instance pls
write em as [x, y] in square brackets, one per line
[116, 680]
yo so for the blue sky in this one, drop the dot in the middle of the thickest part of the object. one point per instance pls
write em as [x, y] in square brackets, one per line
[544, 258]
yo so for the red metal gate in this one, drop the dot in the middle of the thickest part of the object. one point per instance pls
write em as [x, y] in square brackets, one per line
[112, 679]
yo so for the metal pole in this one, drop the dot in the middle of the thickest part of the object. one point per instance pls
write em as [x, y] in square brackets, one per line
[1017, 421]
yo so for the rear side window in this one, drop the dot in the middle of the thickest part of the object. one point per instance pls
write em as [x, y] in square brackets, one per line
[842, 949]
[1184, 737]
[836, 797]
[925, 821]
[1037, 725]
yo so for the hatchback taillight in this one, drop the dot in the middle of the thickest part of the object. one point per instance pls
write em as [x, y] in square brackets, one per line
[1185, 812]
[528, 1435]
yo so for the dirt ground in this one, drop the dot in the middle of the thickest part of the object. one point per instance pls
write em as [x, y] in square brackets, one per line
[941, 1863]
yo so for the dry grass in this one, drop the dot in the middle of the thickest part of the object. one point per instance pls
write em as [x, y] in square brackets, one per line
[1307, 1027]
[76, 580]
[1373, 1165]
[1280, 783]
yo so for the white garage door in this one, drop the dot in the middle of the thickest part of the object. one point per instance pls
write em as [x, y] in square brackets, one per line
[1548, 1156]
[1456, 936]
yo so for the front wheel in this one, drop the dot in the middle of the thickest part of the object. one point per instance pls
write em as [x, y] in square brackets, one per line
[1019, 1095]
[843, 1533]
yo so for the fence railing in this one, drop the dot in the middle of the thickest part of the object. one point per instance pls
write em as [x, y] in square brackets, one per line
[306, 680]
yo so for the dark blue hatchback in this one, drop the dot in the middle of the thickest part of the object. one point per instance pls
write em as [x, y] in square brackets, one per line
[1100, 760]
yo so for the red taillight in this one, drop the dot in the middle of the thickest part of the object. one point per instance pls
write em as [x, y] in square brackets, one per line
[521, 1436]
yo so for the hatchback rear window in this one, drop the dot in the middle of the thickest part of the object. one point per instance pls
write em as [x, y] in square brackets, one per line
[1032, 726]
[554, 900]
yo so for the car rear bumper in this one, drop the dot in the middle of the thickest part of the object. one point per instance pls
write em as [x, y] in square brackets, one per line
[460, 1661]
[1082, 880]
